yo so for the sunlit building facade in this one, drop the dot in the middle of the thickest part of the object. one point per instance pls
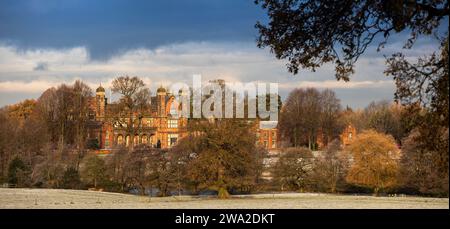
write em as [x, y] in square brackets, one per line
[159, 126]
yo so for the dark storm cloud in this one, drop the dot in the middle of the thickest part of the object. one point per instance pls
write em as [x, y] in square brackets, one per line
[109, 27]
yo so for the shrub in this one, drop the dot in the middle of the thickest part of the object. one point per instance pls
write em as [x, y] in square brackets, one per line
[18, 173]
[71, 179]
[292, 170]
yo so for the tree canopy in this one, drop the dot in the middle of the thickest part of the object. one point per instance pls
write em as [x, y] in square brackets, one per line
[309, 33]
[375, 161]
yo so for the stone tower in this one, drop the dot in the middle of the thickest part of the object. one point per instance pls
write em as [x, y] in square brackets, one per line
[161, 100]
[100, 102]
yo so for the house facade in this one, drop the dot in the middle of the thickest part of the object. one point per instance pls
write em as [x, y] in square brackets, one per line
[158, 126]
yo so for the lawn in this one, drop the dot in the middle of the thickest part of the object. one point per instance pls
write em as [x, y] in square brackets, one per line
[59, 198]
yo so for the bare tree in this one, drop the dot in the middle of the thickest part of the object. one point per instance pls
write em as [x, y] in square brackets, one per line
[116, 168]
[384, 117]
[305, 113]
[137, 168]
[331, 111]
[418, 170]
[330, 168]
[134, 101]
[82, 94]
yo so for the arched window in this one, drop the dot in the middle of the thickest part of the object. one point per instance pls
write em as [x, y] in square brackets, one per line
[127, 140]
[107, 139]
[136, 140]
[120, 140]
[144, 139]
[152, 140]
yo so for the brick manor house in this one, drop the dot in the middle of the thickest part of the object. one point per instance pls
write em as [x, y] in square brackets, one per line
[161, 127]
[158, 127]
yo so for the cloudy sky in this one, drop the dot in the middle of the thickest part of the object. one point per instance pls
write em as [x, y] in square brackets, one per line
[44, 43]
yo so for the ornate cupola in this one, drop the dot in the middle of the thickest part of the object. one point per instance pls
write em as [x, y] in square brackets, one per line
[100, 89]
[161, 91]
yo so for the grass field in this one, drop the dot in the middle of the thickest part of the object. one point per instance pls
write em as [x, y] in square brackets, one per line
[59, 198]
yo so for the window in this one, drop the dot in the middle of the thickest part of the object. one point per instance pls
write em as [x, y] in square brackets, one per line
[152, 140]
[144, 139]
[173, 123]
[127, 140]
[173, 110]
[136, 140]
[274, 144]
[172, 139]
[91, 115]
[107, 139]
[149, 122]
[119, 140]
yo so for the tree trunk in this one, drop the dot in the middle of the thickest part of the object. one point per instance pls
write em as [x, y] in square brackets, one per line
[376, 191]
[223, 193]
[309, 142]
[142, 190]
